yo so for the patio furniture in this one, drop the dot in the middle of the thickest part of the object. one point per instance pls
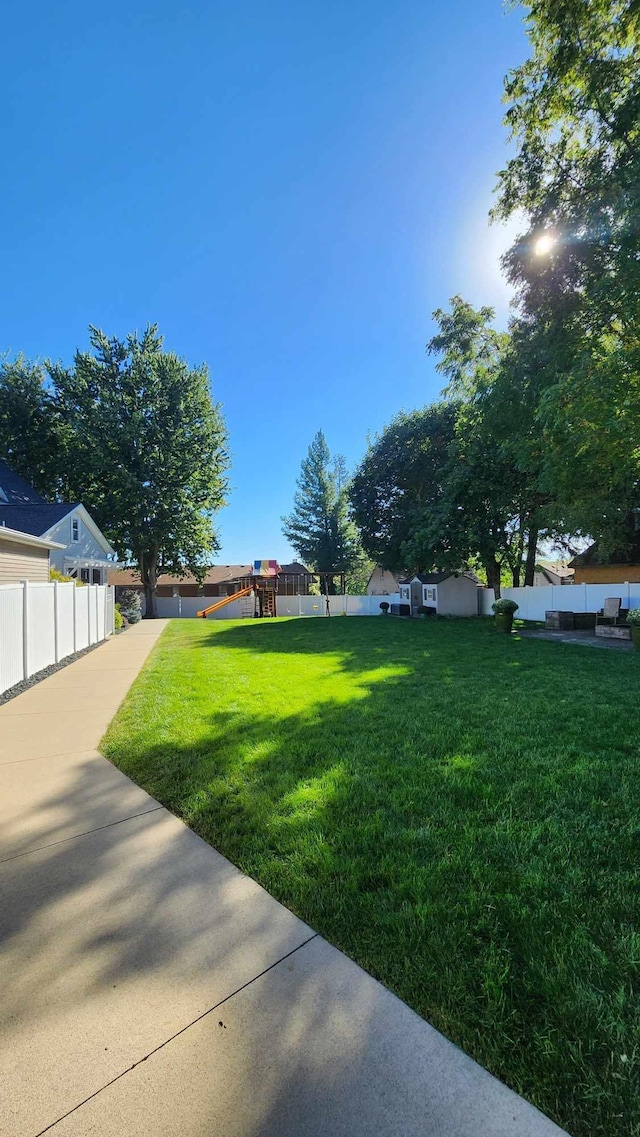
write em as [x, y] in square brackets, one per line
[611, 620]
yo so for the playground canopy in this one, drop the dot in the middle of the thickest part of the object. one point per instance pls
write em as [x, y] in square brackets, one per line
[265, 568]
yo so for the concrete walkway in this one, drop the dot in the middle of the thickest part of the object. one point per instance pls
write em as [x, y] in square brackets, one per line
[148, 988]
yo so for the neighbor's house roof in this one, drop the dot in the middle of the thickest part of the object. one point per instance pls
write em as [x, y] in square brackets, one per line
[546, 567]
[432, 577]
[14, 490]
[17, 537]
[593, 556]
[215, 574]
[35, 518]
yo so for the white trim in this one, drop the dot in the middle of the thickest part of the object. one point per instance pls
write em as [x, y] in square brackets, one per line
[91, 526]
[21, 538]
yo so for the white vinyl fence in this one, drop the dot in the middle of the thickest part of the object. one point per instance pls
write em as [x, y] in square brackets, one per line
[534, 602]
[41, 624]
[189, 606]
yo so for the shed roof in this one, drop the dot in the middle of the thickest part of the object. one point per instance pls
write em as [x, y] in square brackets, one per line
[430, 577]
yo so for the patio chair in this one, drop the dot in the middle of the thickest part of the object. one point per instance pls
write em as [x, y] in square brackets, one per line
[610, 614]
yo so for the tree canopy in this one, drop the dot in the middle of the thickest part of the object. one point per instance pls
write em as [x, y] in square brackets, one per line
[319, 527]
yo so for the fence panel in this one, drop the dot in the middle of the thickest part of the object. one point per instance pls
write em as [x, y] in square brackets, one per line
[11, 627]
[64, 615]
[533, 603]
[93, 616]
[100, 607]
[41, 635]
[81, 597]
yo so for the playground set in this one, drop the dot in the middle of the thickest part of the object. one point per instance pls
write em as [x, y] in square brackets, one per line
[259, 590]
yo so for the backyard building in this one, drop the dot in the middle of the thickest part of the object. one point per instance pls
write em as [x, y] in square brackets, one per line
[383, 582]
[594, 566]
[447, 593]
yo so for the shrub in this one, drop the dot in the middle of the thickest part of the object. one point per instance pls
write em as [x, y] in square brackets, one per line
[117, 618]
[62, 579]
[500, 607]
[426, 610]
[633, 617]
[385, 607]
[130, 605]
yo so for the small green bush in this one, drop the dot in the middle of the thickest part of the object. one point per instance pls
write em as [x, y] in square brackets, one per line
[130, 605]
[117, 618]
[633, 617]
[503, 605]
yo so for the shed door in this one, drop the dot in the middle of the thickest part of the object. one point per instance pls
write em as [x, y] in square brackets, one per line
[416, 597]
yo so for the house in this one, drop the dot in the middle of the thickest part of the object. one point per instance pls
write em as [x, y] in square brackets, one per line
[220, 580]
[383, 582]
[596, 567]
[77, 547]
[449, 593]
[24, 557]
[550, 572]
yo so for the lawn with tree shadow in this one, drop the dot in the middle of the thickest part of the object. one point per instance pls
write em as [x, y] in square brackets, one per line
[456, 809]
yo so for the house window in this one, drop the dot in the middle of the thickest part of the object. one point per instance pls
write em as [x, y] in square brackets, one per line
[431, 594]
[75, 529]
[84, 575]
[96, 576]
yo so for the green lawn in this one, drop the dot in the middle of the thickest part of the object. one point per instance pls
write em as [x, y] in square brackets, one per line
[456, 809]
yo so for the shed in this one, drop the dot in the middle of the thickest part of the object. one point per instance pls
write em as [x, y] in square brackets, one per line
[448, 593]
[23, 556]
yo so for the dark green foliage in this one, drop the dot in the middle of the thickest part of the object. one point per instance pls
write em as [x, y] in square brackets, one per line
[399, 480]
[149, 452]
[32, 435]
[319, 528]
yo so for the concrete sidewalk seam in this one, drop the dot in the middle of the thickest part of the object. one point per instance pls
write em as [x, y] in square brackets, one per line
[75, 836]
[177, 1034]
[48, 757]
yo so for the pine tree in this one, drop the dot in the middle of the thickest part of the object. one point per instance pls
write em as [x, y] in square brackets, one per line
[319, 527]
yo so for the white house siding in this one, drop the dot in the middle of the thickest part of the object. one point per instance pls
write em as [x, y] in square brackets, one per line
[457, 596]
[22, 562]
[86, 549]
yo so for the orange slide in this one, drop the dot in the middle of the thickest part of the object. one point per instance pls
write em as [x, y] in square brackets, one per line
[225, 600]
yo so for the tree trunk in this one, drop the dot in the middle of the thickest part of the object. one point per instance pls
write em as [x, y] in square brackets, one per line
[515, 572]
[149, 577]
[530, 563]
[492, 569]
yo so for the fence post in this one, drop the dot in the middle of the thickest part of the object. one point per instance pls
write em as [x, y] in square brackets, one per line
[25, 628]
[75, 618]
[56, 613]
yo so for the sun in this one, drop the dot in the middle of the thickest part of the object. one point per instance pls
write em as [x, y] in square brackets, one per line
[544, 244]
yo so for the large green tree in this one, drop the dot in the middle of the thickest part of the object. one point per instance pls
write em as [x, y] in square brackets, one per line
[32, 434]
[399, 479]
[319, 527]
[574, 120]
[149, 452]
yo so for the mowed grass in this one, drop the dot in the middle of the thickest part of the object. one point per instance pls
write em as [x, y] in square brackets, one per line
[457, 810]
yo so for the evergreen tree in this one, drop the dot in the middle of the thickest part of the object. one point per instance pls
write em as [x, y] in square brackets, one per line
[319, 527]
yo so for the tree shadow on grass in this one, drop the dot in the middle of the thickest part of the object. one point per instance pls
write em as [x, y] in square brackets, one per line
[459, 818]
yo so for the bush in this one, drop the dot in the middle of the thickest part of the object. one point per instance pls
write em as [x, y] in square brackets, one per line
[385, 607]
[633, 617]
[62, 579]
[130, 605]
[117, 618]
[500, 607]
[426, 610]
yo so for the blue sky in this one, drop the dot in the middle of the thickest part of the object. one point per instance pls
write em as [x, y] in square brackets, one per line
[287, 189]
